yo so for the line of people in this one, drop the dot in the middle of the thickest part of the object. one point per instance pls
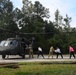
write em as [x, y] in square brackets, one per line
[58, 52]
[51, 52]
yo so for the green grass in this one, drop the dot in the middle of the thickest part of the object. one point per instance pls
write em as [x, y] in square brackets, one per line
[40, 69]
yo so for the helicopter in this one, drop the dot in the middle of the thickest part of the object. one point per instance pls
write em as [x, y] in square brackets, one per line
[13, 46]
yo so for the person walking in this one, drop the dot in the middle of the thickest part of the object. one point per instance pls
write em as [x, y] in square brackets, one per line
[51, 52]
[58, 52]
[71, 51]
[40, 52]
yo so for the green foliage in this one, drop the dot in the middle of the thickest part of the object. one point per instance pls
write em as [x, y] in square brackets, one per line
[6, 8]
[41, 11]
[30, 19]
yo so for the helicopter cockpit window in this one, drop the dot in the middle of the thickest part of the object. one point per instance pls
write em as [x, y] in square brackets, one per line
[13, 43]
[7, 43]
[2, 43]
[10, 43]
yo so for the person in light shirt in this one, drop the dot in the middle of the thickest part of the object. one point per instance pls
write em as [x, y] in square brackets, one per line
[58, 52]
[40, 52]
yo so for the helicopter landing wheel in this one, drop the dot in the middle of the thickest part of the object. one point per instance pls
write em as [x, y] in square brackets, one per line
[3, 56]
[23, 56]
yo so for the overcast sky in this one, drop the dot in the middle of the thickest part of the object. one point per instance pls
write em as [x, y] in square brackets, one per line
[64, 6]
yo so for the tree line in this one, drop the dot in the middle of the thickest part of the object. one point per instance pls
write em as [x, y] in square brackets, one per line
[32, 21]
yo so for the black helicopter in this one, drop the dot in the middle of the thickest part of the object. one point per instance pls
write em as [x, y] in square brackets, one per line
[13, 46]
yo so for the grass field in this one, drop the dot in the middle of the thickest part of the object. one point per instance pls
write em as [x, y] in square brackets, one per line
[40, 69]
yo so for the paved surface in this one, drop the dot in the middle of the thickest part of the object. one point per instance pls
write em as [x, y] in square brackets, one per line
[13, 59]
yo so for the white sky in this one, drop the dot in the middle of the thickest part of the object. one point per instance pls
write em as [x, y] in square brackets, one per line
[64, 6]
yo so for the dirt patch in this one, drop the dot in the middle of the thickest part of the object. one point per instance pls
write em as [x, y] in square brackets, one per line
[59, 62]
[9, 65]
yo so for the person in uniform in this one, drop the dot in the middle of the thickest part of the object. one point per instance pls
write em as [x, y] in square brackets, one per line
[51, 52]
[30, 51]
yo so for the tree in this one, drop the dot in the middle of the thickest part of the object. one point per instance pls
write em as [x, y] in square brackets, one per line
[8, 25]
[18, 17]
[58, 20]
[5, 10]
[40, 10]
[67, 23]
[7, 15]
[57, 16]
[33, 14]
